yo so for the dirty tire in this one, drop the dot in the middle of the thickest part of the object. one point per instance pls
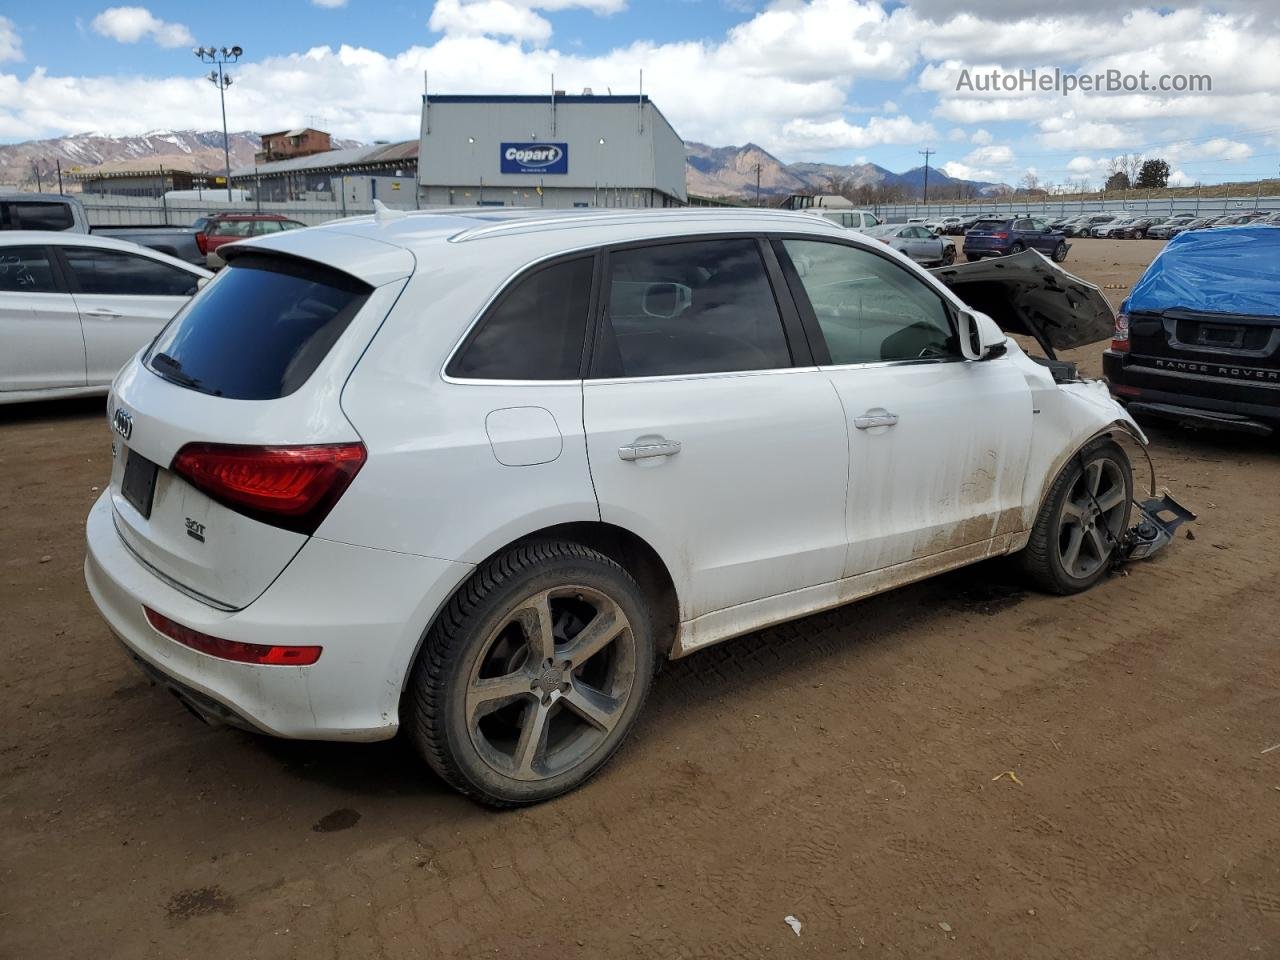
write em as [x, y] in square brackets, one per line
[1059, 253]
[948, 256]
[1047, 559]
[488, 677]
[1016, 248]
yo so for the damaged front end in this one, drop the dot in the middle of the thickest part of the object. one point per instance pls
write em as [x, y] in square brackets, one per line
[1028, 294]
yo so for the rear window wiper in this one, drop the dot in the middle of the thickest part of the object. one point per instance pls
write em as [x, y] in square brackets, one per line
[173, 370]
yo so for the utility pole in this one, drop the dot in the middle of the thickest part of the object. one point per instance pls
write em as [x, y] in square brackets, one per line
[757, 184]
[221, 81]
[926, 153]
[58, 162]
[36, 167]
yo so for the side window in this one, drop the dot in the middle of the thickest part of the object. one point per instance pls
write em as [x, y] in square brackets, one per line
[266, 226]
[1022, 224]
[113, 272]
[870, 309]
[703, 306]
[26, 270]
[535, 329]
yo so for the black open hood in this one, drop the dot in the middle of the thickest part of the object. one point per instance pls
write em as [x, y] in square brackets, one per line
[1029, 294]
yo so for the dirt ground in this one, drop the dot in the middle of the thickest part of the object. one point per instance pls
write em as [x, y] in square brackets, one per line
[844, 770]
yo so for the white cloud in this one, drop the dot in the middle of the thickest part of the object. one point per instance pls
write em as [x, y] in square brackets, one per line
[980, 137]
[997, 154]
[131, 24]
[962, 171]
[331, 4]
[820, 136]
[10, 42]
[489, 18]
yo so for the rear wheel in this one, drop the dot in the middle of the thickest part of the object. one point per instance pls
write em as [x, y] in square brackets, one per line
[1059, 252]
[533, 674]
[1016, 248]
[1082, 521]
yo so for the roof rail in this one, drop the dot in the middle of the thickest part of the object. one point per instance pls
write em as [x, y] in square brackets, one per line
[597, 215]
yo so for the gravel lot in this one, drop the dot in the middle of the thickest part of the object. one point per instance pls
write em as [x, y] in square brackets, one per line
[843, 769]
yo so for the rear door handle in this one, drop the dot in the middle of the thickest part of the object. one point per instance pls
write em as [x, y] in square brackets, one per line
[103, 313]
[655, 448]
[881, 418]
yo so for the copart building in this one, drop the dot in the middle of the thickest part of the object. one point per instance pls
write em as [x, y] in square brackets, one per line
[548, 151]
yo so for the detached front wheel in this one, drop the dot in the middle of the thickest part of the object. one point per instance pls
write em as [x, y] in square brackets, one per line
[1082, 521]
[533, 674]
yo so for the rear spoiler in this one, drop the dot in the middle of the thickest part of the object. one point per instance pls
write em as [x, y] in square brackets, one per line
[1029, 294]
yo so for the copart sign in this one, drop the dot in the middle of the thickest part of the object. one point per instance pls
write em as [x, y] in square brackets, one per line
[534, 157]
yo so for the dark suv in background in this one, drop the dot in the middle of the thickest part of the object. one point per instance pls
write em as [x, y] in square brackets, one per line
[1198, 339]
[1000, 238]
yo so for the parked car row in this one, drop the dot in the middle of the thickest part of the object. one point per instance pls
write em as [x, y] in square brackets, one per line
[195, 244]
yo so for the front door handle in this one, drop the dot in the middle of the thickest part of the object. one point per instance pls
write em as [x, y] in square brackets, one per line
[103, 313]
[652, 448]
[875, 418]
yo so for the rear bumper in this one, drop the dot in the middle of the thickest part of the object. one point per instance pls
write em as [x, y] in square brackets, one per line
[1188, 396]
[367, 608]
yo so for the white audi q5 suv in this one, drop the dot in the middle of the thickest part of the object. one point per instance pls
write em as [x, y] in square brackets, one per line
[477, 473]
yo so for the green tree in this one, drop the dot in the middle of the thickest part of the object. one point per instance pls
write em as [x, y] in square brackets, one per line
[1118, 181]
[1154, 174]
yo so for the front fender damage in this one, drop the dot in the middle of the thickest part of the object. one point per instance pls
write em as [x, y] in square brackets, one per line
[1159, 515]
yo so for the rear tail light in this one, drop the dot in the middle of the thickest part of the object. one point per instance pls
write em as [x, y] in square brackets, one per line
[262, 653]
[1120, 338]
[202, 241]
[289, 487]
[1001, 236]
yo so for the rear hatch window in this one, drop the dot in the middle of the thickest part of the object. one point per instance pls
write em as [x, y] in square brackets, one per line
[988, 226]
[260, 330]
[35, 215]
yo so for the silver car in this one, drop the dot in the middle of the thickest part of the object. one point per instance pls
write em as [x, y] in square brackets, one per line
[917, 241]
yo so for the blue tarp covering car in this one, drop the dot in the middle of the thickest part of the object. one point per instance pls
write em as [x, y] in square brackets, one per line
[1225, 270]
[1198, 339]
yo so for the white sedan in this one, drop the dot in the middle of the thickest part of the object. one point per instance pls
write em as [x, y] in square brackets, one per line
[475, 474]
[75, 307]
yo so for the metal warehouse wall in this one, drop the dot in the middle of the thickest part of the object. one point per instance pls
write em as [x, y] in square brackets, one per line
[462, 138]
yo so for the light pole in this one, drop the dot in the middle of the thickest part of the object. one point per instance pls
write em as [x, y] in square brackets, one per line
[220, 56]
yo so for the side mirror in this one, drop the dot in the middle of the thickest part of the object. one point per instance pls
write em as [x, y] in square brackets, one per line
[980, 337]
[666, 300]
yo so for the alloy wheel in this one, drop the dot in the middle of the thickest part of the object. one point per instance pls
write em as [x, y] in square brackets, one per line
[1089, 528]
[552, 680]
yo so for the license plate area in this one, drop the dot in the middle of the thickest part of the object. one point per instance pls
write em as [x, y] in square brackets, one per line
[1221, 336]
[139, 483]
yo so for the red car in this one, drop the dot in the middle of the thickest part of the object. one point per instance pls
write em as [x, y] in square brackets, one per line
[219, 228]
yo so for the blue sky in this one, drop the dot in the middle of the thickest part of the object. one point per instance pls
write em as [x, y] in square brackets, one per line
[828, 80]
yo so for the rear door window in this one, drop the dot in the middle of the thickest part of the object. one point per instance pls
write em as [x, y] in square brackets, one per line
[26, 270]
[703, 306]
[535, 329]
[260, 331]
[115, 273]
[36, 215]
